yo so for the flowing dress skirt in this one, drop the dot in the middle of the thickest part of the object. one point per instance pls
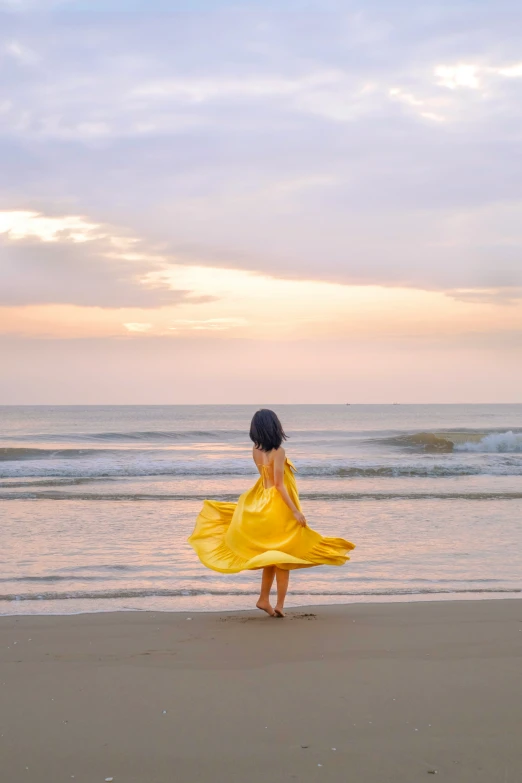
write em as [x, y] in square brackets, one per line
[260, 530]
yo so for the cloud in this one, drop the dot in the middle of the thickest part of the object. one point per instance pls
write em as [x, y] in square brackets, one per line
[215, 89]
[67, 260]
[454, 76]
[503, 296]
[511, 71]
[138, 327]
[74, 228]
[20, 53]
[373, 146]
[206, 324]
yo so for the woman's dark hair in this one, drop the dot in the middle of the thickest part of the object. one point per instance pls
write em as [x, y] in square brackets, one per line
[266, 430]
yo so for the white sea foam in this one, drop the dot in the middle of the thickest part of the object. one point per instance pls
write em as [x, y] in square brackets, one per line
[494, 443]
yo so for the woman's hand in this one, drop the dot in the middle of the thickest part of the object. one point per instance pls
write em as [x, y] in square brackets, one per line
[300, 518]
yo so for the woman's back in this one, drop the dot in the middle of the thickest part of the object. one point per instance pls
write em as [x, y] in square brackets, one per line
[265, 464]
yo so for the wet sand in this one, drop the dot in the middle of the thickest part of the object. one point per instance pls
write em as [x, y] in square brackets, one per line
[371, 693]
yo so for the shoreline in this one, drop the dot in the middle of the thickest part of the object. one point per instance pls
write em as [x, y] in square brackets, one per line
[373, 692]
[413, 598]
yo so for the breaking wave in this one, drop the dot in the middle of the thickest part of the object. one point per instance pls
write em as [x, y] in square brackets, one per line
[494, 443]
[447, 442]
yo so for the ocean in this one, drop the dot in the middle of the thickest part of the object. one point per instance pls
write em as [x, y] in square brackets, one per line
[96, 503]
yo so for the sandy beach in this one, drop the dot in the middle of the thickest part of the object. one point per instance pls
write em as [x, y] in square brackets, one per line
[370, 693]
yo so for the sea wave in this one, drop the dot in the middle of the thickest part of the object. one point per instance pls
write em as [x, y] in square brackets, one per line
[130, 445]
[204, 435]
[226, 434]
[131, 436]
[492, 442]
[180, 593]
[495, 443]
[56, 481]
[228, 497]
[14, 454]
[105, 470]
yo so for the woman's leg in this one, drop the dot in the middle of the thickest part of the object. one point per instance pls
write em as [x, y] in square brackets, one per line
[282, 579]
[266, 585]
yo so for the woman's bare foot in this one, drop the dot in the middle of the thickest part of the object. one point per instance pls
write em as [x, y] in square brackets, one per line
[278, 612]
[265, 606]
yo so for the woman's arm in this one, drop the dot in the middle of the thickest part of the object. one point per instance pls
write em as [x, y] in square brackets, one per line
[279, 482]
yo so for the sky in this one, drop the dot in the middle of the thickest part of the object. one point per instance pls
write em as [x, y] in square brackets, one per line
[212, 202]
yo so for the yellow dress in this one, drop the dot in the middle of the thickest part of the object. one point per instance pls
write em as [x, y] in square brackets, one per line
[260, 530]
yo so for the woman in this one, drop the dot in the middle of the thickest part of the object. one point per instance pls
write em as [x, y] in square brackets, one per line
[266, 527]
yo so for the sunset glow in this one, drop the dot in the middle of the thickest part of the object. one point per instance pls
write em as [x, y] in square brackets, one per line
[288, 202]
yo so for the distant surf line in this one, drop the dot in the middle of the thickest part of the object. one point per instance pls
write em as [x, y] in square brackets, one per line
[231, 497]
